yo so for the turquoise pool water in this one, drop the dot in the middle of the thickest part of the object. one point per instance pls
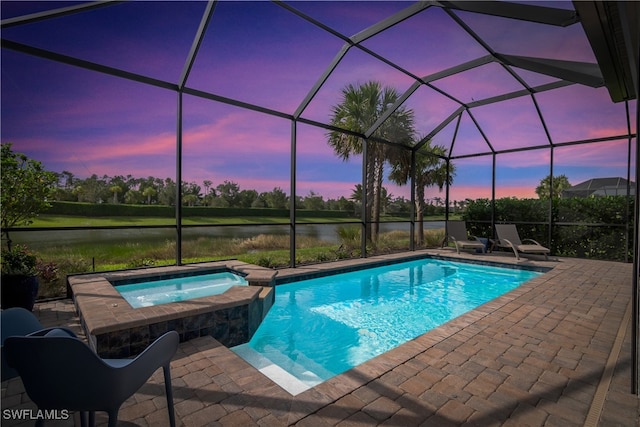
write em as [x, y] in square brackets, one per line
[163, 291]
[321, 327]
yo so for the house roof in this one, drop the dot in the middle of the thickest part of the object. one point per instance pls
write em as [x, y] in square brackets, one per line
[600, 187]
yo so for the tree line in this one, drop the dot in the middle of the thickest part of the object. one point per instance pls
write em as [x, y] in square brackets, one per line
[151, 190]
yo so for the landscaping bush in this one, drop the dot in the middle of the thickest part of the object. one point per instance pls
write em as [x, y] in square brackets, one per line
[592, 227]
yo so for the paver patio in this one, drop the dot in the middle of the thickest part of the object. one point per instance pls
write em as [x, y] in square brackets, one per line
[533, 357]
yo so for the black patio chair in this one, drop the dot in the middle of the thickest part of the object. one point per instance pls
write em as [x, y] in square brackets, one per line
[60, 372]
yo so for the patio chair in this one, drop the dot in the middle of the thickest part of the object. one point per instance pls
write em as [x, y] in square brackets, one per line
[62, 373]
[457, 231]
[508, 237]
[17, 321]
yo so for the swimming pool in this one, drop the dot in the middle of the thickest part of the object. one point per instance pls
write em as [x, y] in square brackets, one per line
[152, 292]
[321, 327]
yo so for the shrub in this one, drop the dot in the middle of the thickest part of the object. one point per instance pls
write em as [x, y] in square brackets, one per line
[51, 283]
[19, 261]
[349, 236]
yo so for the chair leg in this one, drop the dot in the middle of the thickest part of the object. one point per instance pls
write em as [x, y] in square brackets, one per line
[113, 417]
[169, 392]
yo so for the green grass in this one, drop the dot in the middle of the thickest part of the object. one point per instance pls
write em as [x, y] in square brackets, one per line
[120, 221]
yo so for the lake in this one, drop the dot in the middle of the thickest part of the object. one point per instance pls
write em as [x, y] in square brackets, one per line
[328, 232]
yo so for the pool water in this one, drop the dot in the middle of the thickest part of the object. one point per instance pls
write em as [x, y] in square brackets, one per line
[321, 327]
[163, 291]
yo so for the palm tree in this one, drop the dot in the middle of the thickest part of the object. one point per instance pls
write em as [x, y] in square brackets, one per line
[430, 170]
[560, 183]
[360, 108]
[115, 189]
[149, 192]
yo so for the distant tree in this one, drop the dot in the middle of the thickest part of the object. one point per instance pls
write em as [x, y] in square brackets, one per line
[229, 192]
[148, 193]
[560, 183]
[399, 205]
[134, 197]
[115, 189]
[259, 201]
[189, 199]
[64, 187]
[346, 205]
[313, 201]
[246, 198]
[93, 189]
[167, 192]
[276, 198]
[207, 185]
[26, 189]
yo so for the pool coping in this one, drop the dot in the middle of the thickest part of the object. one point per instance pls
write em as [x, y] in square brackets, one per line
[105, 311]
[345, 266]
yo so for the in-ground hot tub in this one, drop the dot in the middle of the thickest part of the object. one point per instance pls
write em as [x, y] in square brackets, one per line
[116, 329]
[147, 292]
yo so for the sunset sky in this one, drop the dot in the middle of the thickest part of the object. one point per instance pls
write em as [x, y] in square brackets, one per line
[260, 53]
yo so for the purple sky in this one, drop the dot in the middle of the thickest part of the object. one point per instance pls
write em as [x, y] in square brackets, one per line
[257, 52]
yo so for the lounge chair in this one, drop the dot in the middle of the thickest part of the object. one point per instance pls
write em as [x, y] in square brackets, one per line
[508, 237]
[457, 232]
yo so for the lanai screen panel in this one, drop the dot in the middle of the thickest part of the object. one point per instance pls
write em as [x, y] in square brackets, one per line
[446, 136]
[478, 83]
[428, 32]
[102, 130]
[349, 18]
[512, 124]
[223, 143]
[518, 174]
[472, 179]
[261, 54]
[355, 69]
[320, 171]
[469, 139]
[431, 109]
[576, 113]
[581, 163]
[146, 38]
[524, 38]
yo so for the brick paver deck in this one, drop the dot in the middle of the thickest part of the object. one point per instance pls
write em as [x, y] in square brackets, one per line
[533, 357]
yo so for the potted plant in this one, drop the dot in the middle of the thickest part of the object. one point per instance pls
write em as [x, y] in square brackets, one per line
[19, 287]
[26, 191]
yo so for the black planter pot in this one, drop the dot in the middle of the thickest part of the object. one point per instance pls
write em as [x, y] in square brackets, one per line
[18, 291]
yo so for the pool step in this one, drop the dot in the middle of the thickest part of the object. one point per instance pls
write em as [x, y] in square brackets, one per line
[295, 379]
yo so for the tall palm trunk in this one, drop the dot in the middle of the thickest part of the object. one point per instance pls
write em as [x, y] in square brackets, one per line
[371, 196]
[420, 205]
[378, 173]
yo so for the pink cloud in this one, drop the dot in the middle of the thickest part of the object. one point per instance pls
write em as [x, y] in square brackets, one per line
[242, 132]
[481, 192]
